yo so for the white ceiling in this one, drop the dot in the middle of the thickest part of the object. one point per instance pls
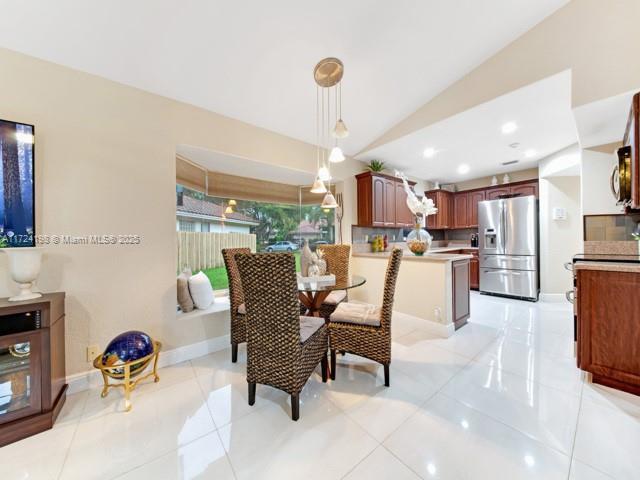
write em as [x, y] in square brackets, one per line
[603, 122]
[253, 60]
[232, 165]
[542, 112]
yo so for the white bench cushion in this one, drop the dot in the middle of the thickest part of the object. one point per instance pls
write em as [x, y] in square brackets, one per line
[335, 297]
[357, 313]
[309, 326]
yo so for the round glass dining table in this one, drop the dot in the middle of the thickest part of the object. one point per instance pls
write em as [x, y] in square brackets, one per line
[313, 293]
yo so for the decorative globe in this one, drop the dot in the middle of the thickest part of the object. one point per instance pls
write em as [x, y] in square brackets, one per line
[127, 347]
[419, 240]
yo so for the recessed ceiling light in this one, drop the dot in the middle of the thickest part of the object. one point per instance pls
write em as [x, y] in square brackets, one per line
[509, 127]
[464, 168]
[514, 145]
[530, 153]
[429, 152]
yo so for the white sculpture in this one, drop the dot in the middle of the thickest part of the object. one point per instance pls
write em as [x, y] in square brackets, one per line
[424, 206]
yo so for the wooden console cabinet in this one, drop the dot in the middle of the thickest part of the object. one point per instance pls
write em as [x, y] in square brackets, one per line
[382, 201]
[608, 327]
[32, 365]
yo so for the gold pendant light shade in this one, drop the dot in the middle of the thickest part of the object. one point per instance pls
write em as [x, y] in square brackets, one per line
[340, 130]
[318, 186]
[328, 72]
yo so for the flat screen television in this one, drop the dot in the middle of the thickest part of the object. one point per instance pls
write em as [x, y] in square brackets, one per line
[17, 190]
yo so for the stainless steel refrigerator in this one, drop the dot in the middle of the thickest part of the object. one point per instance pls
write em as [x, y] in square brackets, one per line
[508, 230]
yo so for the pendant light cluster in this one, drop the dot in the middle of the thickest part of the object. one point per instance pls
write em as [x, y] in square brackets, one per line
[330, 127]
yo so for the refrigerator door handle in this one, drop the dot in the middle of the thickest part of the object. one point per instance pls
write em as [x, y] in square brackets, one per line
[503, 225]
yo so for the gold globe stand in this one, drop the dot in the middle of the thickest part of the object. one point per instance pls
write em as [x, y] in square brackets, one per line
[124, 372]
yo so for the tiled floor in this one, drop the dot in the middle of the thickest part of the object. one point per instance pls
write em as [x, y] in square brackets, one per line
[501, 399]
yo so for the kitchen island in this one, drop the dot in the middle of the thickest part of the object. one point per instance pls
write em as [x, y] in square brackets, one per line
[433, 287]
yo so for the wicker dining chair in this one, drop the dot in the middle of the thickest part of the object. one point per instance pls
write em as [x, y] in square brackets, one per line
[283, 347]
[363, 329]
[337, 258]
[236, 300]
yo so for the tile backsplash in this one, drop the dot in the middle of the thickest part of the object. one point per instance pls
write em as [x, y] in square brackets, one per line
[610, 227]
[364, 234]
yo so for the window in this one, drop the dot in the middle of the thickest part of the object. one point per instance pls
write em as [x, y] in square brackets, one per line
[186, 226]
[262, 226]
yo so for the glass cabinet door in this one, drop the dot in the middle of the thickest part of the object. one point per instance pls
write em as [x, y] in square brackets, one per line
[20, 369]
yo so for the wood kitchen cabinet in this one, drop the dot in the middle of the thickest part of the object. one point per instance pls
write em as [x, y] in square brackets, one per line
[460, 210]
[382, 201]
[496, 192]
[461, 298]
[443, 201]
[632, 139]
[473, 198]
[474, 269]
[608, 327]
[404, 216]
[524, 189]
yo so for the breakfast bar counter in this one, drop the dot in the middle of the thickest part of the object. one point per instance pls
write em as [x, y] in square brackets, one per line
[433, 287]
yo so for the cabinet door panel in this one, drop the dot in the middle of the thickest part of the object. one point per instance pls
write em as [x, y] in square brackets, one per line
[460, 210]
[461, 300]
[404, 217]
[20, 375]
[389, 203]
[473, 199]
[608, 333]
[494, 193]
[378, 201]
[526, 189]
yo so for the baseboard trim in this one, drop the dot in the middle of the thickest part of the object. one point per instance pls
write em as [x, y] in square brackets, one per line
[93, 379]
[553, 297]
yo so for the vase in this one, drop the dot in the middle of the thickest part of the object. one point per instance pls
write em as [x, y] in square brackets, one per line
[24, 265]
[418, 240]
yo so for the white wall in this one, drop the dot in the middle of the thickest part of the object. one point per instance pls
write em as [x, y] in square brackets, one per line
[596, 191]
[560, 240]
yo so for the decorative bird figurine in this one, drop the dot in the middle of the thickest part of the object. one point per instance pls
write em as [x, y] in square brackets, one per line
[419, 206]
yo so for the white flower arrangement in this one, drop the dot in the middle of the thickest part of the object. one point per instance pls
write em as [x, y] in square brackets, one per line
[423, 206]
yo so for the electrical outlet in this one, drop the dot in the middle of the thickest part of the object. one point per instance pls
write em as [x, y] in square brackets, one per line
[92, 352]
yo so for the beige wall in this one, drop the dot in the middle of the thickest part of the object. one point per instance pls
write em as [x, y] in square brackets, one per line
[105, 164]
[528, 174]
[596, 39]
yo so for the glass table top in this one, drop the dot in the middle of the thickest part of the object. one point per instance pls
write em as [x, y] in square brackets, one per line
[315, 286]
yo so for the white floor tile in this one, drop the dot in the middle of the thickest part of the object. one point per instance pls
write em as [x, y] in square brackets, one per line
[159, 422]
[73, 408]
[383, 409]
[609, 397]
[446, 439]
[545, 414]
[608, 439]
[416, 356]
[581, 471]
[39, 457]
[534, 364]
[202, 459]
[468, 341]
[381, 465]
[323, 444]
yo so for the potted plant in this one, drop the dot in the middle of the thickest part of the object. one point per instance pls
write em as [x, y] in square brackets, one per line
[375, 166]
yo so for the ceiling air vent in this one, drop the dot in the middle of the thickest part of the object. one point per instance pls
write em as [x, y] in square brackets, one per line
[510, 162]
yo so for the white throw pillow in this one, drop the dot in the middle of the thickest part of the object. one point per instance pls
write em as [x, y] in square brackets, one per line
[201, 290]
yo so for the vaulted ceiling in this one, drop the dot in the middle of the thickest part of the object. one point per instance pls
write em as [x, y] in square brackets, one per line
[253, 60]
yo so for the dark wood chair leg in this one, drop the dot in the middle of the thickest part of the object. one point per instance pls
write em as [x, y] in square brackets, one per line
[325, 367]
[252, 393]
[333, 364]
[295, 407]
[386, 375]
[234, 352]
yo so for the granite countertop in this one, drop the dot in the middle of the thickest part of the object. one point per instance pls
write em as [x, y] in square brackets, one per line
[435, 254]
[611, 262]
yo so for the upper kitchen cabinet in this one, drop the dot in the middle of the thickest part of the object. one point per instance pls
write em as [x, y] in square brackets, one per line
[382, 201]
[632, 139]
[461, 210]
[528, 187]
[496, 192]
[473, 198]
[443, 201]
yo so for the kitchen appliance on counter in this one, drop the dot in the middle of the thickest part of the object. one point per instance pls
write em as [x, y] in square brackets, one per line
[508, 247]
